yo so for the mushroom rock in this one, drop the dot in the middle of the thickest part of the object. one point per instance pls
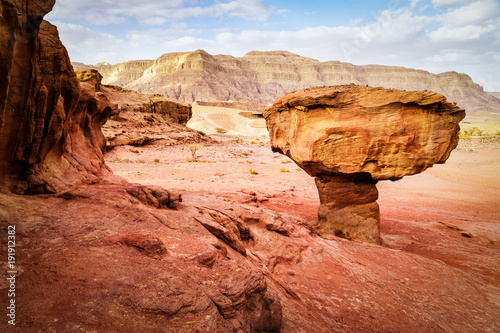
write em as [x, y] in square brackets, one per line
[349, 137]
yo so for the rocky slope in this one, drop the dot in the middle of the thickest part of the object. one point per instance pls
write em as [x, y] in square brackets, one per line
[130, 101]
[120, 74]
[495, 94]
[262, 77]
[173, 111]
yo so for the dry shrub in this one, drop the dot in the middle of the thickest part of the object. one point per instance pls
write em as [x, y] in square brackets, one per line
[253, 171]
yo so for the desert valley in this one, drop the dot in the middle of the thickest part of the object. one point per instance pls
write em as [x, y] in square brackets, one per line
[266, 193]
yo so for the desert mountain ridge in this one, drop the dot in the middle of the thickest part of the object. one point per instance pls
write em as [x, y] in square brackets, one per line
[262, 77]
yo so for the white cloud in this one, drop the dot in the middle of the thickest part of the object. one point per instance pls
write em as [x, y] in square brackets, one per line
[470, 32]
[252, 10]
[448, 56]
[462, 35]
[414, 3]
[112, 12]
[450, 3]
[345, 43]
[157, 20]
[157, 36]
[356, 21]
[86, 45]
[476, 13]
[101, 19]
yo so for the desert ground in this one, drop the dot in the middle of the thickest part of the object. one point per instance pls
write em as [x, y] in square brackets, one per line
[109, 261]
[449, 213]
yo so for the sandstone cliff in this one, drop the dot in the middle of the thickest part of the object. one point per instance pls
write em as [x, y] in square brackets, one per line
[90, 76]
[262, 77]
[120, 74]
[50, 126]
[127, 100]
[173, 110]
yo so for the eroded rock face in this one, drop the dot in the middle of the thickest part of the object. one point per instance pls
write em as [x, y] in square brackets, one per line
[262, 77]
[50, 126]
[90, 76]
[350, 137]
[173, 110]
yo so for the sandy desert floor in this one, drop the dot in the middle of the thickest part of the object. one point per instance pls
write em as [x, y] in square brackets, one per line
[93, 248]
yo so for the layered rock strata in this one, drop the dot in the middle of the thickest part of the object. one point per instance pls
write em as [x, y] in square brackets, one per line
[262, 77]
[130, 101]
[350, 137]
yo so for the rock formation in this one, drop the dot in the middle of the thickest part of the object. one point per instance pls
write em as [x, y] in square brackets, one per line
[130, 101]
[350, 137]
[52, 144]
[120, 74]
[50, 130]
[90, 76]
[115, 256]
[262, 77]
[141, 129]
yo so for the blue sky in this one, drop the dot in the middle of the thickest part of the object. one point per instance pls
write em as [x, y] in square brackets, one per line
[435, 35]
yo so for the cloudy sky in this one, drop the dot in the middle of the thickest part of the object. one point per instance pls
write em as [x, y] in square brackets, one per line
[435, 35]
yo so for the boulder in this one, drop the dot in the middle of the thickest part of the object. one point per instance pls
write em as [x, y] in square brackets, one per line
[349, 137]
[90, 76]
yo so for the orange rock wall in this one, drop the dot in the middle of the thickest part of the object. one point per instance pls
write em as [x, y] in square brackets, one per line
[50, 127]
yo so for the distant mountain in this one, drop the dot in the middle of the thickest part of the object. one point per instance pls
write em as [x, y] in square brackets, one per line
[496, 94]
[262, 77]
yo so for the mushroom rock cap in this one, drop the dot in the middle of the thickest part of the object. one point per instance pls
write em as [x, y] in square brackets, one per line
[350, 130]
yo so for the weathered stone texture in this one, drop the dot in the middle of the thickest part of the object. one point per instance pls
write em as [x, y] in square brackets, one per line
[50, 126]
[349, 137]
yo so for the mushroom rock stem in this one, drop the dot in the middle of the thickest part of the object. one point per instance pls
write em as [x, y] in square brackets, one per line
[349, 208]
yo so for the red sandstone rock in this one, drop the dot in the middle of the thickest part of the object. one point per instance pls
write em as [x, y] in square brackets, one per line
[349, 137]
[114, 256]
[51, 128]
[131, 101]
[90, 76]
